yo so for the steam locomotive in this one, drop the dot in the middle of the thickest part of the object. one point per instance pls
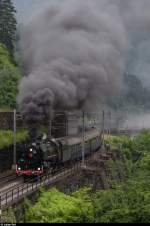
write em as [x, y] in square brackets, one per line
[47, 154]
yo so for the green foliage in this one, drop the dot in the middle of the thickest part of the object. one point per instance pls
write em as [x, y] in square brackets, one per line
[145, 162]
[128, 202]
[4, 57]
[142, 141]
[8, 216]
[109, 206]
[8, 87]
[120, 142]
[125, 202]
[8, 24]
[6, 137]
[9, 79]
[124, 144]
[56, 207]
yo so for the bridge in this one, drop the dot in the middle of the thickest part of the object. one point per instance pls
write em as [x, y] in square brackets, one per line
[14, 195]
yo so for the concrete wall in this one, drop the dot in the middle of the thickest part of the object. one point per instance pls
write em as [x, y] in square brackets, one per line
[6, 158]
[7, 121]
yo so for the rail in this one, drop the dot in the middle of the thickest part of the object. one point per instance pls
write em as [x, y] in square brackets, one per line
[6, 179]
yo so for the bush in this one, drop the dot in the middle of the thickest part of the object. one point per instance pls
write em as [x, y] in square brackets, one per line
[127, 203]
[56, 207]
[6, 137]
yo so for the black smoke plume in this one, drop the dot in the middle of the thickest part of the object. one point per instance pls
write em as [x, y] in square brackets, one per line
[75, 53]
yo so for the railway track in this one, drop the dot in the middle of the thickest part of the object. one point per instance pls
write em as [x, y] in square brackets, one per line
[16, 193]
[5, 174]
[13, 182]
[11, 185]
[13, 192]
[6, 179]
[9, 181]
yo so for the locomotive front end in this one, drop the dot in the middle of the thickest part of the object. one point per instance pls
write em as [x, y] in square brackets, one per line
[30, 162]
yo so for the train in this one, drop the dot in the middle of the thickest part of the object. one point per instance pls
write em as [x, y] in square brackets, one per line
[42, 155]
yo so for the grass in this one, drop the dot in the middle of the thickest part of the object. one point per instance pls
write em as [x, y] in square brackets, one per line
[6, 137]
[116, 141]
[6, 110]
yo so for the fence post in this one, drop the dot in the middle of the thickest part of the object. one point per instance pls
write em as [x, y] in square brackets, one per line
[14, 131]
[83, 137]
[18, 192]
[0, 209]
[103, 126]
[6, 198]
[12, 194]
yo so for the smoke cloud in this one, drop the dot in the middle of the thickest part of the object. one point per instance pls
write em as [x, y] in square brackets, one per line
[75, 53]
[136, 16]
[137, 121]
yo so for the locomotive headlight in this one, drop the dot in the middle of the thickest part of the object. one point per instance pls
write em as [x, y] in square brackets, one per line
[39, 169]
[31, 149]
[19, 168]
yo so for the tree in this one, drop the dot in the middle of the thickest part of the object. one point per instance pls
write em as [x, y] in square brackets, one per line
[56, 207]
[8, 24]
[9, 78]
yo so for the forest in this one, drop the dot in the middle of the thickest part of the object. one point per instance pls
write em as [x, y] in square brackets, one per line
[9, 70]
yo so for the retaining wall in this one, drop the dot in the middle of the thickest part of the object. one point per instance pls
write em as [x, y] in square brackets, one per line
[6, 158]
